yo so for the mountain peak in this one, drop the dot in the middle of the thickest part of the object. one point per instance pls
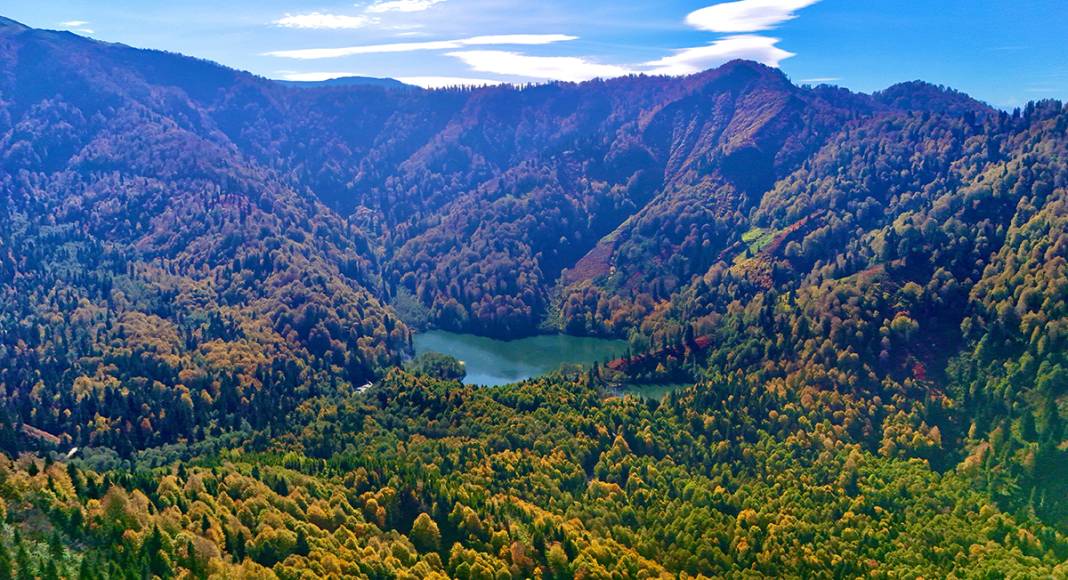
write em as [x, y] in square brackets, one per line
[746, 67]
[925, 96]
[741, 71]
[750, 65]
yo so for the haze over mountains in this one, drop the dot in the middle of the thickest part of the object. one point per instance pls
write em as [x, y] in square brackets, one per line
[191, 252]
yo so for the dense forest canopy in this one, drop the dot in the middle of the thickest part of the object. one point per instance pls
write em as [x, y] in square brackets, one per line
[202, 270]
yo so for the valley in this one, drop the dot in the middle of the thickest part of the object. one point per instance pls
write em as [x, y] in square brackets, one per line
[822, 333]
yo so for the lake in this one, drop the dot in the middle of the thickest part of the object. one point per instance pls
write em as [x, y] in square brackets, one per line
[495, 362]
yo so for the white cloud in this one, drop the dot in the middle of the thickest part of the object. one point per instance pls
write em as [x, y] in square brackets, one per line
[732, 18]
[440, 82]
[319, 20]
[85, 30]
[74, 23]
[819, 80]
[746, 15]
[404, 26]
[694, 60]
[504, 39]
[563, 68]
[401, 6]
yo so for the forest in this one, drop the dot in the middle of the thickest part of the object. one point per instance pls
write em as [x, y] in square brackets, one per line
[202, 270]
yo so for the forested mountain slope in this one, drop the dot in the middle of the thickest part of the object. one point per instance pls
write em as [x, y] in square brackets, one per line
[481, 199]
[198, 268]
[157, 281]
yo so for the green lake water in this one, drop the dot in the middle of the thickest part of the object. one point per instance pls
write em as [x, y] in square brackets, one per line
[493, 362]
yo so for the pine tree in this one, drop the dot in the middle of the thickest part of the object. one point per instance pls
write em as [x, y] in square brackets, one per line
[152, 551]
[55, 546]
[22, 560]
[7, 572]
[9, 442]
[192, 564]
[76, 480]
[85, 571]
[51, 571]
[302, 548]
[241, 547]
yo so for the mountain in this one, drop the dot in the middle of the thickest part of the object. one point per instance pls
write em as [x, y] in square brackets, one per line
[350, 82]
[9, 24]
[160, 241]
[200, 270]
[584, 159]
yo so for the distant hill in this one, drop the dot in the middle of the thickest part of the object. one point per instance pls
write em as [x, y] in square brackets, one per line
[350, 82]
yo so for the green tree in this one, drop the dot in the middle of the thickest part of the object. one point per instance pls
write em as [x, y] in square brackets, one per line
[558, 562]
[425, 534]
[7, 572]
[437, 365]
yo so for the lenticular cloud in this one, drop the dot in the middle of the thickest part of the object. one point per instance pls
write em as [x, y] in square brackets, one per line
[746, 15]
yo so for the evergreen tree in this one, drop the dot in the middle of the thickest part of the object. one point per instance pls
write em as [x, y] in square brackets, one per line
[51, 571]
[56, 550]
[7, 571]
[22, 560]
[302, 548]
[85, 570]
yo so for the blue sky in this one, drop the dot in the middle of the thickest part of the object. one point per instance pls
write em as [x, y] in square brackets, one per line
[1006, 52]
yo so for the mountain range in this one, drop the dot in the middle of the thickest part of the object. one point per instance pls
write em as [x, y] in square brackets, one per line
[191, 251]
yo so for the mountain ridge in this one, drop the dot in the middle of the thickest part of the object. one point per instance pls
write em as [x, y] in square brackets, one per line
[9, 23]
[749, 137]
[350, 81]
